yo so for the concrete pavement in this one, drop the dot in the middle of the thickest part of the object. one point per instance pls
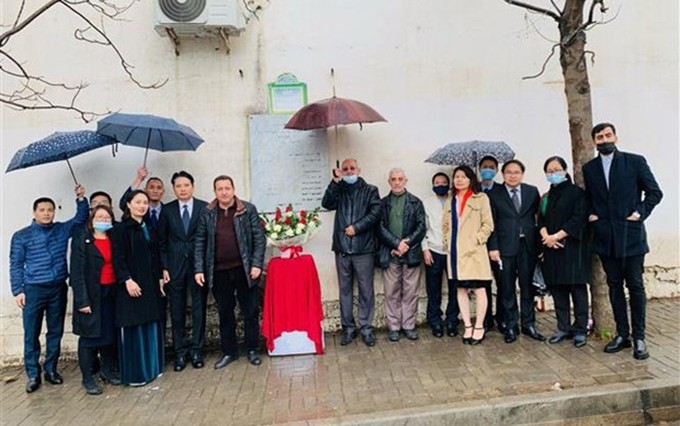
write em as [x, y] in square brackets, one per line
[429, 381]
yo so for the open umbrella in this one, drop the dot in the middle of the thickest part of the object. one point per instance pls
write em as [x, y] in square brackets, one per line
[58, 146]
[333, 112]
[150, 132]
[470, 153]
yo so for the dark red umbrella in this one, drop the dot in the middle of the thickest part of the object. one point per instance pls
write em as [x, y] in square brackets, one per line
[333, 112]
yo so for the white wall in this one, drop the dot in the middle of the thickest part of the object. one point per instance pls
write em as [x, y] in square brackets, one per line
[439, 71]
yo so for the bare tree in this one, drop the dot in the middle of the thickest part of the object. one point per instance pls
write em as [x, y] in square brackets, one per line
[573, 19]
[24, 89]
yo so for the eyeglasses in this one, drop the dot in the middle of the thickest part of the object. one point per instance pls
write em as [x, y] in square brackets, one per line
[346, 169]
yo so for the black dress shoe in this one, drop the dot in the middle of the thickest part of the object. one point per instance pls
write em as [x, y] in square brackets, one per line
[53, 377]
[411, 334]
[368, 338]
[451, 330]
[437, 331]
[224, 361]
[617, 344]
[533, 333]
[348, 337]
[254, 358]
[180, 364]
[510, 336]
[559, 337]
[91, 388]
[110, 378]
[33, 384]
[197, 361]
[478, 341]
[580, 340]
[640, 349]
[502, 327]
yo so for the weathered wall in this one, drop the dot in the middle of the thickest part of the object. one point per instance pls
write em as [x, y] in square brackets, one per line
[441, 71]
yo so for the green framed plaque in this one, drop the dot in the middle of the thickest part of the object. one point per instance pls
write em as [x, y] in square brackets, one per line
[286, 95]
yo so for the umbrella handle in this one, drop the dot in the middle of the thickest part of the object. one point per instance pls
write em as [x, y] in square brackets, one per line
[72, 174]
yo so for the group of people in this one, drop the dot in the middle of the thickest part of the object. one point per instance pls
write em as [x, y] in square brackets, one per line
[121, 273]
[475, 231]
[471, 229]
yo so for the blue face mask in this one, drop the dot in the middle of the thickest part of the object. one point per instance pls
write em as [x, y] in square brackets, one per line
[441, 190]
[101, 226]
[350, 179]
[556, 178]
[487, 174]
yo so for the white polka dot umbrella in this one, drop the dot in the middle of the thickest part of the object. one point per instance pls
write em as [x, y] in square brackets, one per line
[470, 153]
[58, 146]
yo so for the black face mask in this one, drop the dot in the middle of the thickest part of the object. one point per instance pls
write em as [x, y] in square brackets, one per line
[606, 148]
[441, 190]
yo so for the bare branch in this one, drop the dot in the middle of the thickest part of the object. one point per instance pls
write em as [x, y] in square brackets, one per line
[21, 10]
[556, 7]
[4, 37]
[24, 90]
[127, 67]
[555, 16]
[545, 63]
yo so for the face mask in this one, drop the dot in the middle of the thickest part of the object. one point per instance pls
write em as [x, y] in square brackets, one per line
[556, 178]
[487, 174]
[350, 179]
[606, 148]
[101, 226]
[441, 190]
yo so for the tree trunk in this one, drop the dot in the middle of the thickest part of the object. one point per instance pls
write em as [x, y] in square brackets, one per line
[579, 108]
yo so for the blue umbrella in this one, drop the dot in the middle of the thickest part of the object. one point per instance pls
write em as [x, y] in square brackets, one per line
[470, 153]
[58, 146]
[150, 132]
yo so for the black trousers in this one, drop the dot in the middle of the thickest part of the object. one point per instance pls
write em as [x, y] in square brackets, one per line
[518, 269]
[179, 290]
[626, 270]
[579, 296]
[228, 286]
[433, 285]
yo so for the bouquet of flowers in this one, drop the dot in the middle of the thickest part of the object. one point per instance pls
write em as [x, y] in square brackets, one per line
[289, 229]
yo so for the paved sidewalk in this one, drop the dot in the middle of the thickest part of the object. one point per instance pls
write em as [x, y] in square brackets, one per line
[429, 381]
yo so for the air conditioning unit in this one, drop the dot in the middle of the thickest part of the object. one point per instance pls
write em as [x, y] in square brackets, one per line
[199, 18]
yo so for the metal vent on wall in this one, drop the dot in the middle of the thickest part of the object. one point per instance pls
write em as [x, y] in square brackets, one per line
[182, 10]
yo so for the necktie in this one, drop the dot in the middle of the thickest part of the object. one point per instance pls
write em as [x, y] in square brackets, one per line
[154, 218]
[515, 200]
[186, 218]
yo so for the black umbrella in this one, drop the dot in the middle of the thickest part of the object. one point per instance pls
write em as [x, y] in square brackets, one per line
[150, 132]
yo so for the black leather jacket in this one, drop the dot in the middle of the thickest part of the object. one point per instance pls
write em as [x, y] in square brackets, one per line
[357, 205]
[249, 235]
[414, 228]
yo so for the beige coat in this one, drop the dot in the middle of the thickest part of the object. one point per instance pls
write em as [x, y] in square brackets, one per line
[474, 228]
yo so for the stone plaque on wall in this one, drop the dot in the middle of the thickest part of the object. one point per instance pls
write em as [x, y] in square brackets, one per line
[286, 166]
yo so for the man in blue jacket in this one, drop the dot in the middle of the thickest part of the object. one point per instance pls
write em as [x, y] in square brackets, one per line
[38, 276]
[615, 182]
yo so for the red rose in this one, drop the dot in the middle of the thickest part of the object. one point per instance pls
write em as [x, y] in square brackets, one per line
[289, 208]
[277, 215]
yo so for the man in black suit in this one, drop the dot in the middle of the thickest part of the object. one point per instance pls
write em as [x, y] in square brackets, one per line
[614, 183]
[176, 231]
[488, 167]
[513, 244]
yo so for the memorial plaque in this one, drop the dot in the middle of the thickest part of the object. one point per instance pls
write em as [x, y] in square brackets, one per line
[286, 166]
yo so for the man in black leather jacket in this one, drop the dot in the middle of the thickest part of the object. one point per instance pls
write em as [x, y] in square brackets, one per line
[357, 206]
[229, 257]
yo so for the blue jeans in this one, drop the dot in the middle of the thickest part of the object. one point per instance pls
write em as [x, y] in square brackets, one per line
[49, 302]
[433, 286]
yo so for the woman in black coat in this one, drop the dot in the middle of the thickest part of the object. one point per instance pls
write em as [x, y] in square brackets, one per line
[566, 262]
[93, 281]
[136, 262]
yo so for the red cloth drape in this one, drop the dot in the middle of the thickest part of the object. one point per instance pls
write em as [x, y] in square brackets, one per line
[292, 300]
